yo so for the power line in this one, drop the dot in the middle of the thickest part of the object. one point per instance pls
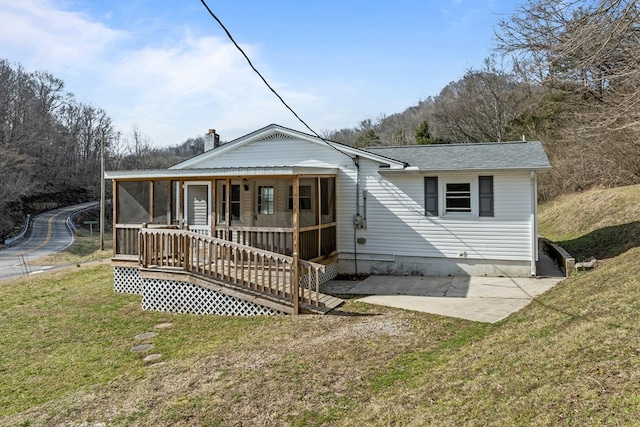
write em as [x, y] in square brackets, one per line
[213, 15]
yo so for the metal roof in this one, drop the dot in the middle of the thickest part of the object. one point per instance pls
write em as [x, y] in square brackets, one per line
[479, 156]
[274, 130]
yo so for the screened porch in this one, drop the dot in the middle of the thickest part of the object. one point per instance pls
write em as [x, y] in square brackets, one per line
[285, 214]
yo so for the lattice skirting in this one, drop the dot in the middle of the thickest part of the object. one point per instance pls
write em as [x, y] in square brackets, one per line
[127, 280]
[330, 273]
[181, 297]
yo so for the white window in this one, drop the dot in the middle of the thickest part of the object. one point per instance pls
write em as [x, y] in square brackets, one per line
[304, 196]
[234, 209]
[458, 197]
[265, 199]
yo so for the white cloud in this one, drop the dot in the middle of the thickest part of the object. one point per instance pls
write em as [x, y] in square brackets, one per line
[171, 91]
[180, 90]
[41, 36]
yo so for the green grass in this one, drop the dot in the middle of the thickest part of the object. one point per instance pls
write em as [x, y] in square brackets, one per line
[86, 248]
[572, 357]
[598, 223]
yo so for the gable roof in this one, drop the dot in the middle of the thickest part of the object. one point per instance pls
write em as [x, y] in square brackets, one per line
[478, 156]
[274, 131]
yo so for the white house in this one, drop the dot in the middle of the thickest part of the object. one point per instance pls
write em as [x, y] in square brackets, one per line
[414, 210]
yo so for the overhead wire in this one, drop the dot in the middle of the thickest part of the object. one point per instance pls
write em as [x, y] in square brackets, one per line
[213, 15]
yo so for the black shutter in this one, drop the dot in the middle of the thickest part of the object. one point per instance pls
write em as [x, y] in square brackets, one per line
[431, 196]
[486, 195]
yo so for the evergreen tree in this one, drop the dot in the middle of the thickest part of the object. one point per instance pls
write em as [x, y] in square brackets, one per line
[423, 136]
[367, 139]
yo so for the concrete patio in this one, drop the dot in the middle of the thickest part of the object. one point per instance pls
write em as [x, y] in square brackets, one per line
[481, 299]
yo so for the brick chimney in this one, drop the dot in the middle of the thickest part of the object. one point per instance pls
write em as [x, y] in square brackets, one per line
[211, 140]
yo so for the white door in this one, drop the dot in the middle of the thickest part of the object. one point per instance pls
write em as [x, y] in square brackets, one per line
[197, 207]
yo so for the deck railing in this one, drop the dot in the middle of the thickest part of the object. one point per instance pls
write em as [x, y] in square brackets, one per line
[237, 264]
[280, 240]
[313, 241]
[126, 240]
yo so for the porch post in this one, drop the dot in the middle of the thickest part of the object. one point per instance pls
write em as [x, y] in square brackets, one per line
[114, 214]
[168, 207]
[151, 202]
[296, 232]
[227, 210]
[319, 217]
[214, 205]
[181, 204]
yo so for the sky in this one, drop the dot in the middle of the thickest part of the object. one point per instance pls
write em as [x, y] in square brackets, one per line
[167, 68]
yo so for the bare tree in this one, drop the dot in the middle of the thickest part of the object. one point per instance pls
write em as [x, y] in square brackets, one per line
[586, 57]
[589, 50]
[479, 107]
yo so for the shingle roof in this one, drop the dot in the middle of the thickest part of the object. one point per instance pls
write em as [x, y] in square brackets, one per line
[479, 156]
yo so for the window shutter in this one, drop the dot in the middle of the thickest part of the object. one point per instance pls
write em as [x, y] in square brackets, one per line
[431, 195]
[486, 195]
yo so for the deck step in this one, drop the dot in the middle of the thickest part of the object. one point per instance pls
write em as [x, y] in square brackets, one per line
[329, 303]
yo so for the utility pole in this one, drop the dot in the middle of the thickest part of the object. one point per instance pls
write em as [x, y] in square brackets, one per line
[102, 191]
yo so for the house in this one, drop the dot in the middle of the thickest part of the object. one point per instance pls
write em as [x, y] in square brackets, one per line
[268, 217]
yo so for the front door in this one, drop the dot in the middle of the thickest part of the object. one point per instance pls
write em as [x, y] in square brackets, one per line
[197, 206]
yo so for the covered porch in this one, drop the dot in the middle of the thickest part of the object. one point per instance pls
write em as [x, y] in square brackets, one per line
[281, 213]
[250, 233]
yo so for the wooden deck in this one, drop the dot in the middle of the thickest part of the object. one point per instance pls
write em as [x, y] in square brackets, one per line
[281, 282]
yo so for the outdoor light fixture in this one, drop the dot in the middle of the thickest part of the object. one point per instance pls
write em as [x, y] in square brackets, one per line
[245, 184]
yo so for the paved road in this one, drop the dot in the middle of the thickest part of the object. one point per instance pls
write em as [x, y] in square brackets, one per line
[49, 234]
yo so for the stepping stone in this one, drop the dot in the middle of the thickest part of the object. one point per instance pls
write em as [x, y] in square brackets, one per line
[141, 348]
[163, 325]
[152, 357]
[157, 365]
[145, 335]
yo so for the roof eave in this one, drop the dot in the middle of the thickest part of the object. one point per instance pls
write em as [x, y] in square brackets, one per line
[411, 170]
[260, 133]
[219, 172]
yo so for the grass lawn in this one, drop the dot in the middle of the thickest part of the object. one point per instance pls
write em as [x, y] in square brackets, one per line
[572, 357]
[598, 223]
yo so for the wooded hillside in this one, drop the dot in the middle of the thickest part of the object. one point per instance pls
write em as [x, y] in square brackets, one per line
[50, 146]
[565, 73]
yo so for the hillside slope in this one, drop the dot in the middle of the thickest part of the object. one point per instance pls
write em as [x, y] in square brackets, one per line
[600, 223]
[571, 358]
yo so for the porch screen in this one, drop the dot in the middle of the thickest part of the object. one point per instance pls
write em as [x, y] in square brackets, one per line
[160, 202]
[133, 202]
[328, 200]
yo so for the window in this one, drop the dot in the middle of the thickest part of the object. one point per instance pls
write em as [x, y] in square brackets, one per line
[265, 200]
[485, 190]
[304, 196]
[235, 201]
[472, 196]
[458, 197]
[431, 195]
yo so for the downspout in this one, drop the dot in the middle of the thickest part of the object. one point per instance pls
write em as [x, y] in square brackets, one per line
[534, 223]
[357, 219]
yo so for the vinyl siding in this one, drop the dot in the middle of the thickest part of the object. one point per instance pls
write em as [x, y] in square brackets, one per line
[396, 223]
[279, 152]
[395, 213]
[287, 152]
